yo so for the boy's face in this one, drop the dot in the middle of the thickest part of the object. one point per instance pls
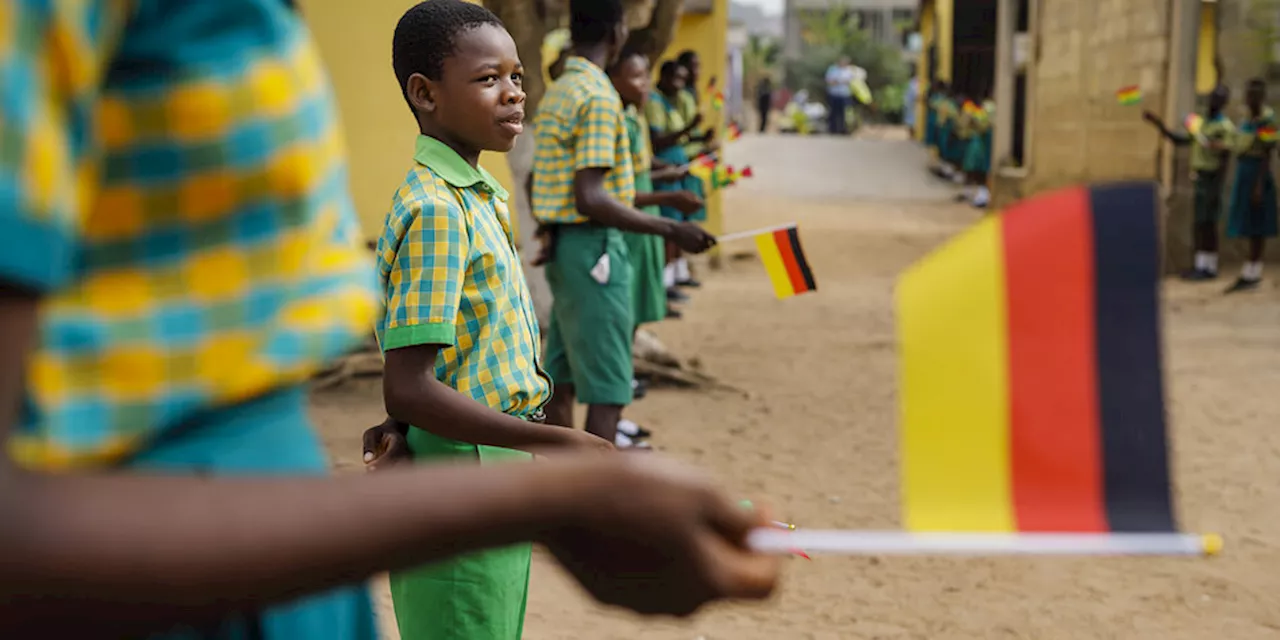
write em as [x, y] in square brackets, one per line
[478, 100]
[1256, 94]
[1218, 99]
[675, 81]
[631, 79]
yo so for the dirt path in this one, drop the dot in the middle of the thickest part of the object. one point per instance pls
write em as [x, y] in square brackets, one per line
[815, 437]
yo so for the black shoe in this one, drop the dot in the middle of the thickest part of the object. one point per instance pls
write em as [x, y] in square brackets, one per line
[674, 314]
[689, 284]
[1199, 275]
[639, 389]
[1243, 284]
[675, 295]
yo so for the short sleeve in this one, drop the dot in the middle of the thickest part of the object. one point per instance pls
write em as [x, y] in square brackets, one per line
[596, 133]
[48, 64]
[656, 114]
[424, 289]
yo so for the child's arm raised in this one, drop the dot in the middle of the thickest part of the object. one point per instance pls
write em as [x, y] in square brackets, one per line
[414, 395]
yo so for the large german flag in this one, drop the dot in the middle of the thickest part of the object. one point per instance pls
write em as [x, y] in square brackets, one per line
[1031, 391]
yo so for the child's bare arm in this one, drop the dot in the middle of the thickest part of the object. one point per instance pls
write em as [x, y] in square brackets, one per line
[594, 201]
[414, 395]
[122, 555]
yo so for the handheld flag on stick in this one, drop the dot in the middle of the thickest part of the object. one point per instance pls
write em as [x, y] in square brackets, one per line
[1194, 123]
[1129, 96]
[783, 259]
[733, 132]
[1267, 135]
[1033, 417]
[717, 101]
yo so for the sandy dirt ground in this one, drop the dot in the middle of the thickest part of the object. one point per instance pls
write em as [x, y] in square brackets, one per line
[813, 434]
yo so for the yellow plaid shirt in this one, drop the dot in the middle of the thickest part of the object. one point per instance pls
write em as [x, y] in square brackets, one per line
[172, 182]
[580, 125]
[448, 265]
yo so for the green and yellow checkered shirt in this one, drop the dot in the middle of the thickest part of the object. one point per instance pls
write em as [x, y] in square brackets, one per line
[451, 276]
[172, 182]
[580, 125]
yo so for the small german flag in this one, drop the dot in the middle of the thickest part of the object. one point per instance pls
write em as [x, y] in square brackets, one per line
[784, 260]
[1129, 96]
[1267, 135]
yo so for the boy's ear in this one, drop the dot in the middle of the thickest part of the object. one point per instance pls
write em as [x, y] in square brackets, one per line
[421, 92]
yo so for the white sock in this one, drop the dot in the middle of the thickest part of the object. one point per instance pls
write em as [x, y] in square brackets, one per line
[1211, 263]
[1202, 261]
[958, 178]
[682, 270]
[669, 276]
[1252, 271]
[628, 428]
[981, 197]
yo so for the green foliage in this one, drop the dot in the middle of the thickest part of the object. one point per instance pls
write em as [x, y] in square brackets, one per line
[835, 33]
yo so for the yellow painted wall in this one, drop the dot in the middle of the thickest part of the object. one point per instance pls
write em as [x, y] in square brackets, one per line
[928, 30]
[707, 33]
[355, 43]
[944, 23]
[1207, 49]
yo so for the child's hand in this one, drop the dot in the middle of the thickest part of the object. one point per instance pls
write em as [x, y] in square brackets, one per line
[386, 445]
[672, 545]
[690, 237]
[1152, 118]
[685, 201]
[583, 442]
[546, 247]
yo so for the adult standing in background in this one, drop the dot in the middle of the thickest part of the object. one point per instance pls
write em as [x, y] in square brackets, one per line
[839, 96]
[910, 102]
[764, 101]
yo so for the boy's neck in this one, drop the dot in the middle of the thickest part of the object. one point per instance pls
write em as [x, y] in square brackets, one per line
[597, 54]
[467, 153]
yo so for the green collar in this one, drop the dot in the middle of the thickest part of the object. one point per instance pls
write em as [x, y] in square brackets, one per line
[582, 65]
[446, 163]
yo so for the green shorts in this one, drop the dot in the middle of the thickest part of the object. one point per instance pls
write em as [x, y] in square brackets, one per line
[589, 338]
[1208, 197]
[479, 596]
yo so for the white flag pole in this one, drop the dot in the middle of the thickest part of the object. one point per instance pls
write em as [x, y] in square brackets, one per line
[981, 544]
[753, 233]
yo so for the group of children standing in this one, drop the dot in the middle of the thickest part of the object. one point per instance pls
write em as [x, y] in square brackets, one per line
[179, 257]
[1251, 205]
[958, 131]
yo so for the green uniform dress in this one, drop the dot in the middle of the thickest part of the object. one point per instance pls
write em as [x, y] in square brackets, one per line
[1207, 167]
[451, 278]
[648, 255]
[666, 115]
[977, 157]
[1246, 220]
[581, 125]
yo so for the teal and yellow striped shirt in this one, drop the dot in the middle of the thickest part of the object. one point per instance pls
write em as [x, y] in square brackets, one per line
[172, 182]
[580, 125]
[451, 277]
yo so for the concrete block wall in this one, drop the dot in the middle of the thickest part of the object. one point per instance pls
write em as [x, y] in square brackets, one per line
[1089, 49]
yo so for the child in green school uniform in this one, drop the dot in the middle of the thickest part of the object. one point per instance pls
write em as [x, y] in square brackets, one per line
[977, 158]
[178, 257]
[948, 114]
[583, 192]
[1253, 195]
[931, 138]
[1210, 150]
[456, 304]
[630, 76]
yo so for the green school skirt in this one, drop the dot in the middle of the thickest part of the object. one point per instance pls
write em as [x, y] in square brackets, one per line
[589, 337]
[677, 156]
[977, 157]
[480, 596]
[268, 436]
[648, 258]
[1207, 201]
[1244, 220]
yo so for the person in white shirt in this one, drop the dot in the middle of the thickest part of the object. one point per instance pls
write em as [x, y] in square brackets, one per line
[839, 95]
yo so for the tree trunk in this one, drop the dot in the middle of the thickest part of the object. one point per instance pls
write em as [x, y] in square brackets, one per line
[653, 40]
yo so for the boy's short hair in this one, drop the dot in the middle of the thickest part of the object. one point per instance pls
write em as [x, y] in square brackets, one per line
[427, 34]
[628, 52]
[669, 67]
[594, 21]
[686, 57]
